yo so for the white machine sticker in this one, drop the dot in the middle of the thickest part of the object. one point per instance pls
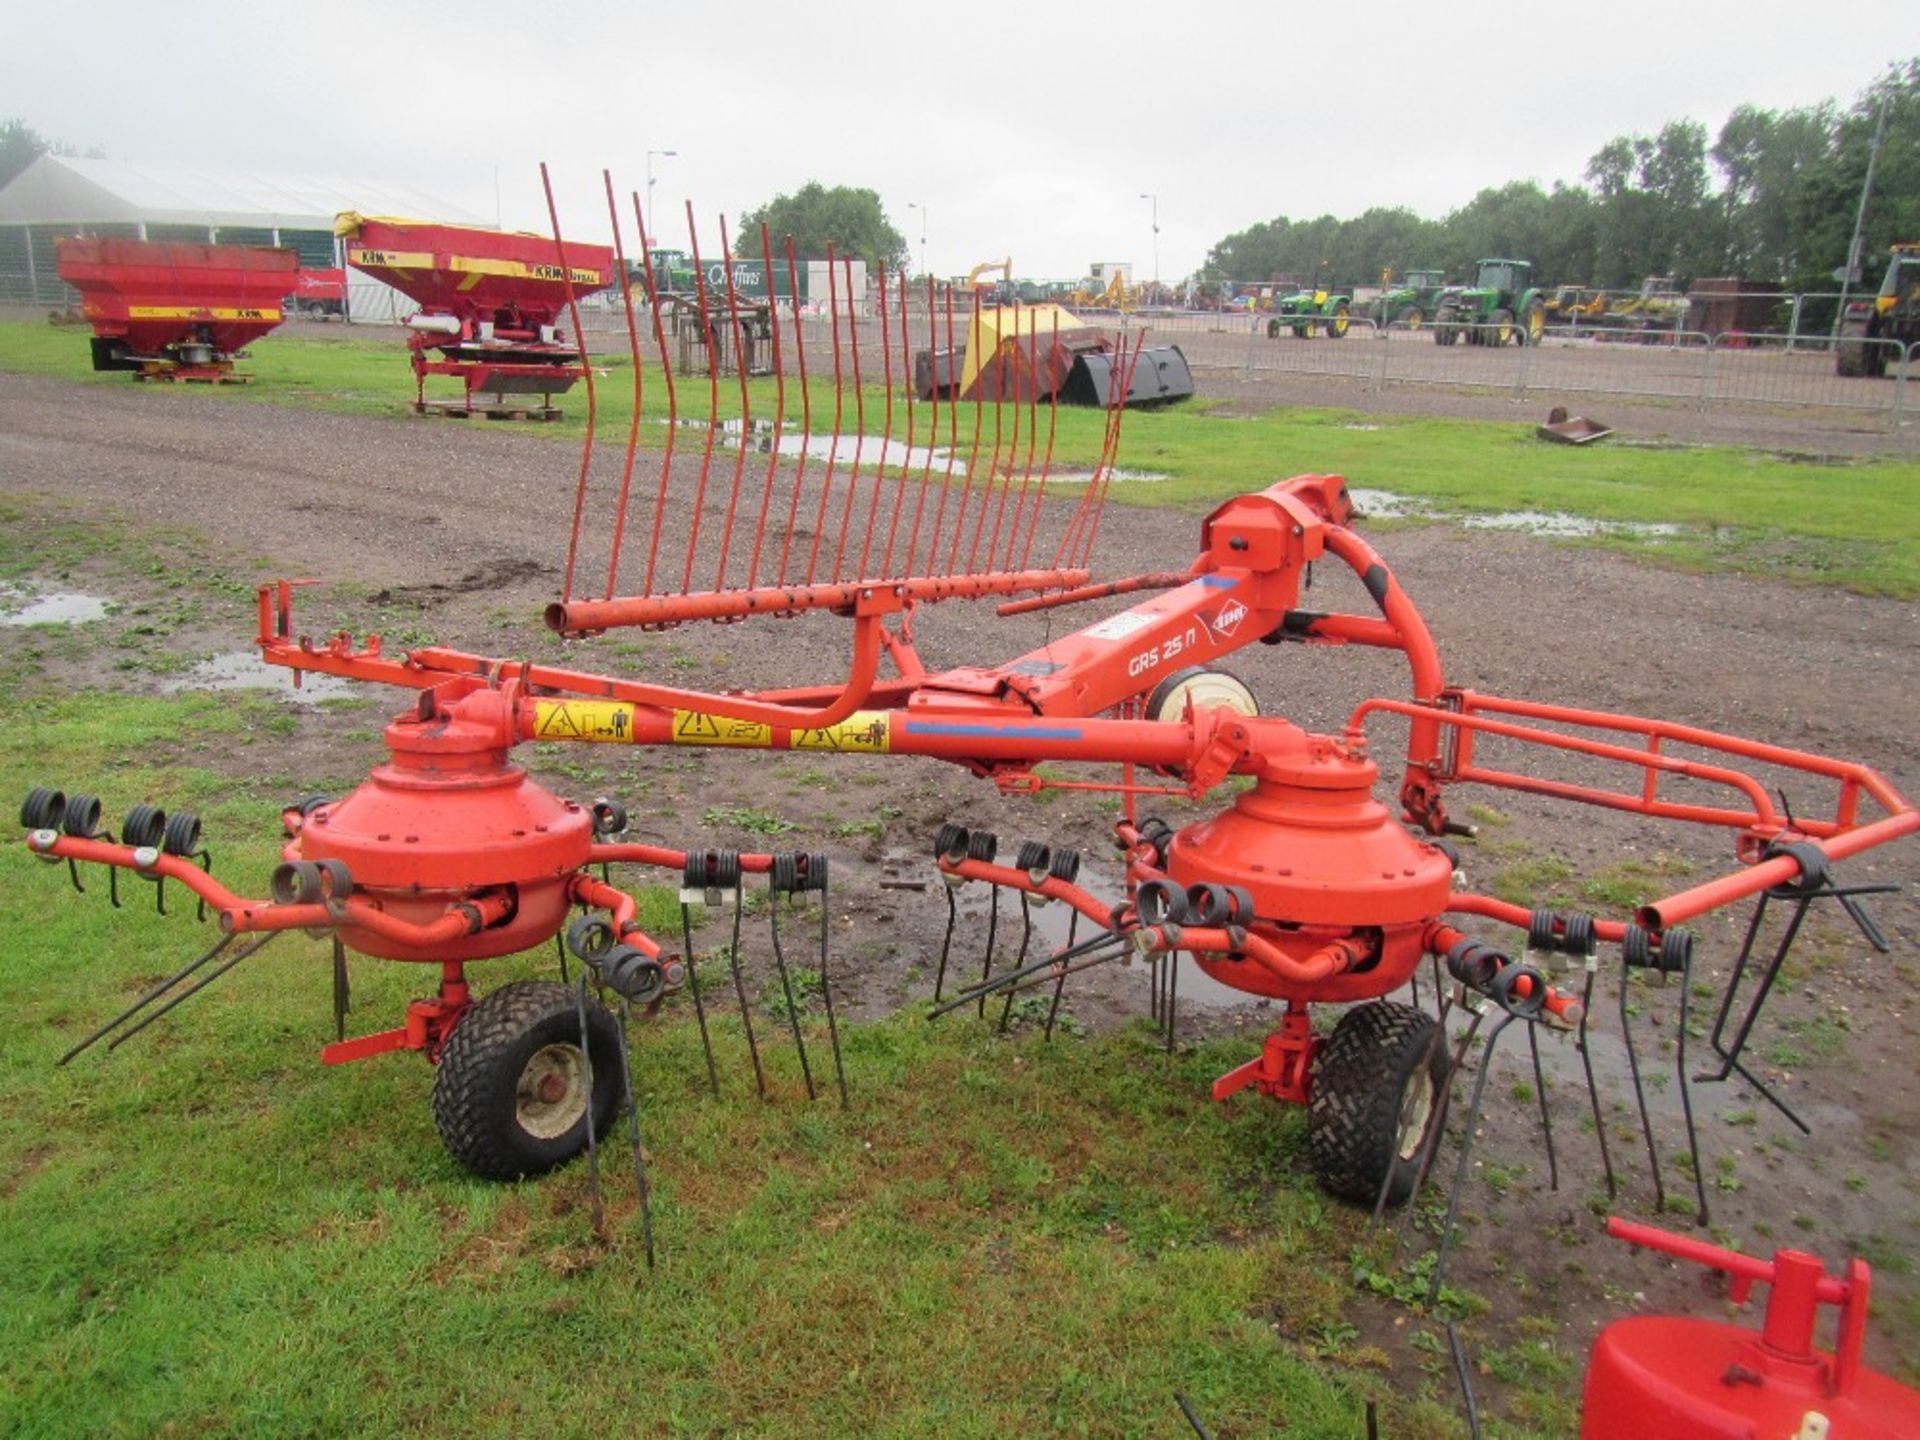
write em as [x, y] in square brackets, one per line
[1118, 627]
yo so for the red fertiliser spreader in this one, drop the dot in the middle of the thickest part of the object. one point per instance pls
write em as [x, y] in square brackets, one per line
[176, 312]
[491, 304]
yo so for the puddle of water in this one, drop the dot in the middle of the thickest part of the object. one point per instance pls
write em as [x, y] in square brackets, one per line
[1118, 476]
[759, 436]
[244, 670]
[1363, 427]
[1388, 505]
[60, 608]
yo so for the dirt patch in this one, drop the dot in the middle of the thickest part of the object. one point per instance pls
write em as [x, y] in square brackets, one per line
[1514, 614]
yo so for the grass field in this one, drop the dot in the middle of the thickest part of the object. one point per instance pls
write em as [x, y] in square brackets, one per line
[1856, 525]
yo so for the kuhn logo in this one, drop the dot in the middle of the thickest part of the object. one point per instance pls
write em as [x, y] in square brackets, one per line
[1229, 618]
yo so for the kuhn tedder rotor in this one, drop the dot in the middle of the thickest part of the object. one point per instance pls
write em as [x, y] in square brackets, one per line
[490, 308]
[169, 311]
[1305, 888]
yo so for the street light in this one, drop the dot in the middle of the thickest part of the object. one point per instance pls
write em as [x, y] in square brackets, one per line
[664, 154]
[1156, 236]
[916, 205]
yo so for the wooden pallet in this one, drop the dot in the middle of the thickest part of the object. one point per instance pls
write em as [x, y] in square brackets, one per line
[460, 410]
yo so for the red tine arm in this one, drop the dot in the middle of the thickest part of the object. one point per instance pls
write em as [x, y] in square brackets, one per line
[806, 411]
[839, 409]
[933, 433]
[586, 364]
[713, 400]
[859, 421]
[746, 405]
[906, 461]
[633, 425]
[886, 426]
[1053, 426]
[779, 403]
[673, 400]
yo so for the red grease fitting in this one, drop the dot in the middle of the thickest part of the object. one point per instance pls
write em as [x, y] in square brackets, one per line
[586, 366]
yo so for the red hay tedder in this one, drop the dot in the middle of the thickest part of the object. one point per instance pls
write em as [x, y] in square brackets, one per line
[1306, 886]
[168, 311]
[490, 306]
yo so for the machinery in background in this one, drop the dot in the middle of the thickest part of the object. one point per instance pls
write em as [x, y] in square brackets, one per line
[169, 311]
[318, 295]
[1306, 313]
[1502, 306]
[491, 304]
[1872, 330]
[1410, 303]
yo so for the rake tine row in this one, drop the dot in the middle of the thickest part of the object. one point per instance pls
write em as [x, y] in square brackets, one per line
[150, 997]
[1060, 983]
[1032, 968]
[740, 991]
[699, 1005]
[593, 1140]
[786, 989]
[1026, 939]
[632, 1100]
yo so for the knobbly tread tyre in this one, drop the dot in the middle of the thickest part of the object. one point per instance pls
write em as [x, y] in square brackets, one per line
[1353, 1117]
[479, 1072]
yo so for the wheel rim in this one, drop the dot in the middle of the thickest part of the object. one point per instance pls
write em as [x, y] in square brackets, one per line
[551, 1095]
[1416, 1109]
[1536, 324]
[1414, 317]
[1341, 322]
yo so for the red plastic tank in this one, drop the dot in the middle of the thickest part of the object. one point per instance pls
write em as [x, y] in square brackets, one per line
[1667, 1375]
[158, 306]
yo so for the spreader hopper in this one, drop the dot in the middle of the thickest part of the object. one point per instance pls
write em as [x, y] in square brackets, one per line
[176, 312]
[491, 305]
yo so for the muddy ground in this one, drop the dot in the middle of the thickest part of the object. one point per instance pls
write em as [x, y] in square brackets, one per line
[432, 529]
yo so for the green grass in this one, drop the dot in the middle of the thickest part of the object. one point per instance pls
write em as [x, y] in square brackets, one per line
[1744, 510]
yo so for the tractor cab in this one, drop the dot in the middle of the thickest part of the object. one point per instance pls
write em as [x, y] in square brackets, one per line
[1902, 282]
[1506, 276]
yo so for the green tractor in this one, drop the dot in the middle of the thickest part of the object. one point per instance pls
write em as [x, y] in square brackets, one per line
[1309, 312]
[1411, 303]
[1503, 306]
[1893, 316]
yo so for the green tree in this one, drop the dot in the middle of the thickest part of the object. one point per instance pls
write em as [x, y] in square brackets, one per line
[19, 148]
[849, 219]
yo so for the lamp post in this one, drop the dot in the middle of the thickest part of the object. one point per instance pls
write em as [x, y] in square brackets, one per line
[916, 205]
[665, 155]
[1156, 236]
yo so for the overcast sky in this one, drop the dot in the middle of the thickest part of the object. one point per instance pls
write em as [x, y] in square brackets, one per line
[1024, 129]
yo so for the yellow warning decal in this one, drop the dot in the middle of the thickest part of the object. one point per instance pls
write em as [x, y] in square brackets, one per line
[473, 265]
[202, 312]
[390, 259]
[596, 721]
[696, 727]
[864, 732]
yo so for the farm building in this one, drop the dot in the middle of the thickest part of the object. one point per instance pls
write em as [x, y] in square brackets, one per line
[58, 195]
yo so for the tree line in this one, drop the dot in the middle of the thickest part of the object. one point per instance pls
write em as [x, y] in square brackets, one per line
[1771, 197]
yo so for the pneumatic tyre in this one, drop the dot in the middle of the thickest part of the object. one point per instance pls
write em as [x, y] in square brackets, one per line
[510, 1095]
[1376, 1111]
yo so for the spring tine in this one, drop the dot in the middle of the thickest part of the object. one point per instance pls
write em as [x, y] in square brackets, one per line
[194, 989]
[826, 997]
[113, 883]
[1466, 1151]
[1593, 1090]
[560, 949]
[580, 342]
[1032, 968]
[1864, 922]
[993, 930]
[746, 405]
[699, 1005]
[740, 990]
[1046, 460]
[342, 990]
[859, 427]
[839, 411]
[1465, 1376]
[1740, 962]
[1173, 996]
[786, 989]
[593, 1140]
[933, 421]
[73, 874]
[1192, 1418]
[147, 999]
[1020, 960]
[779, 404]
[1546, 1120]
[705, 322]
[673, 398]
[1639, 1091]
[862, 571]
[1731, 1057]
[1060, 984]
[160, 894]
[633, 424]
[946, 945]
[205, 857]
[1686, 1089]
[806, 409]
[632, 1100]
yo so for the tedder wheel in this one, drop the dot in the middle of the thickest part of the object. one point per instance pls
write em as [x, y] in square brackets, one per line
[1376, 1108]
[510, 1096]
[1409, 316]
[1206, 689]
